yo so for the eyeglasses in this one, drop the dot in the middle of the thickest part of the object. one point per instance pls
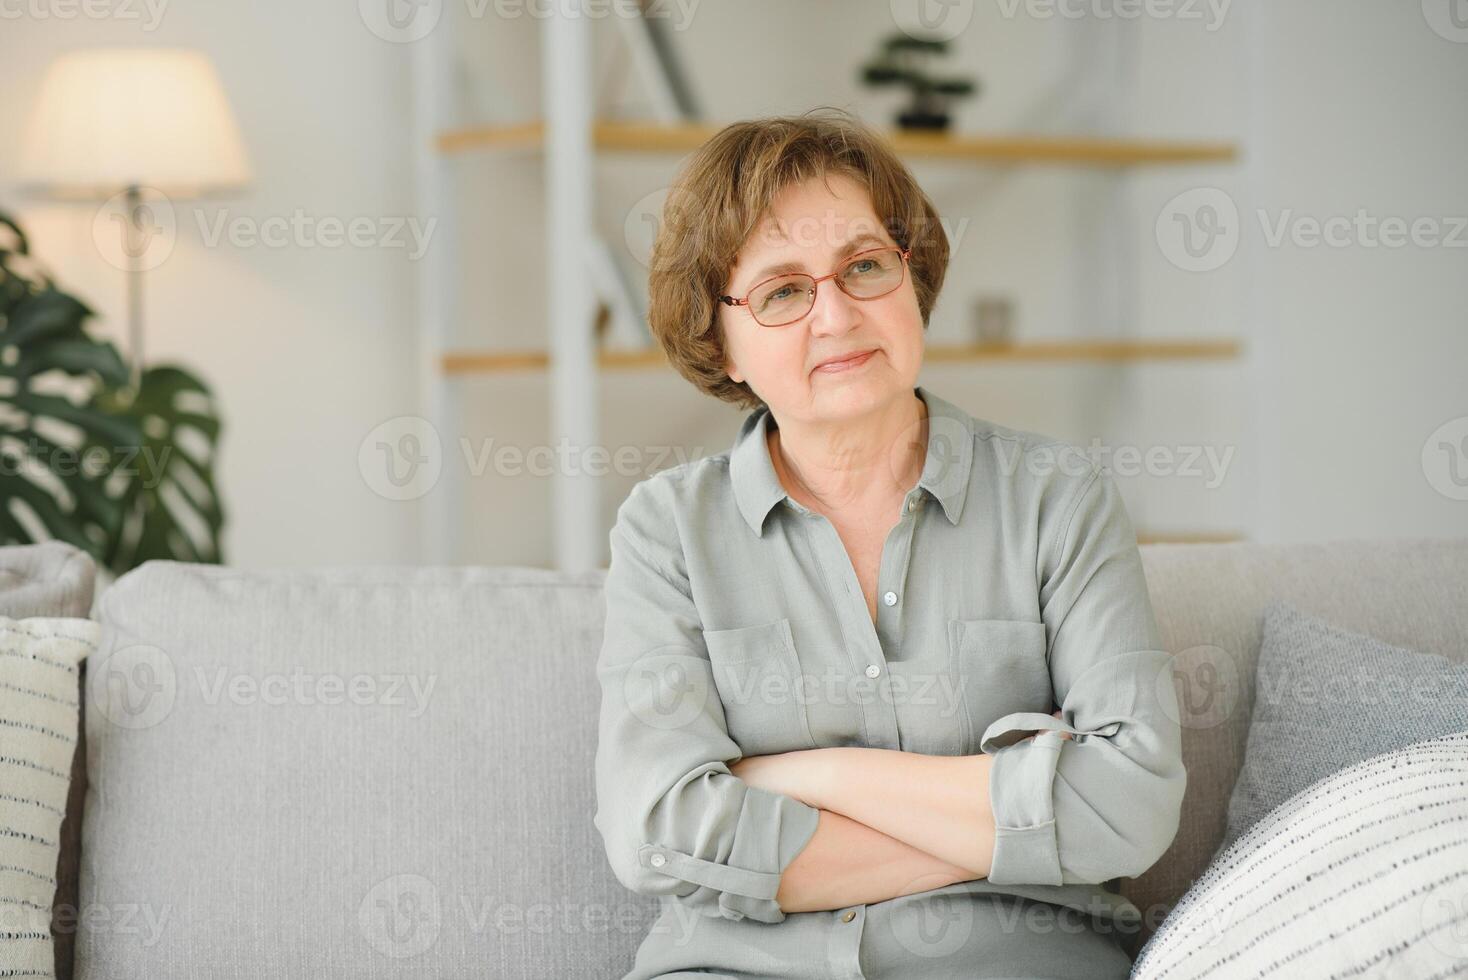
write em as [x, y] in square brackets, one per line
[784, 299]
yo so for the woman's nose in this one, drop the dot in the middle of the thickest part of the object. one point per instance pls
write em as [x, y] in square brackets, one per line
[833, 311]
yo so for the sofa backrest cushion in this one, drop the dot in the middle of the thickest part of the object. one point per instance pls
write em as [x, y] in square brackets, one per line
[353, 771]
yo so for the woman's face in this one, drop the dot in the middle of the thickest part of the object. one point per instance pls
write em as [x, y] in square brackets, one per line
[816, 229]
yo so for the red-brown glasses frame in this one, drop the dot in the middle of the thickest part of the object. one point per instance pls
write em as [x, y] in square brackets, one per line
[816, 283]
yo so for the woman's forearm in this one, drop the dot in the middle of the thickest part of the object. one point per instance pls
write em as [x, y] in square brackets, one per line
[939, 804]
[848, 863]
[935, 803]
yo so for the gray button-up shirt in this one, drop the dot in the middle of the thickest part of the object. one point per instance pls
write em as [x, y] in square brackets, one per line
[1011, 585]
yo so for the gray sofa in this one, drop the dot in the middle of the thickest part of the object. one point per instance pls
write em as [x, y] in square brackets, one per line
[378, 771]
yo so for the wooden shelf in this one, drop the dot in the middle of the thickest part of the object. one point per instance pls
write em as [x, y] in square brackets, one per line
[1189, 537]
[1104, 351]
[512, 137]
[1088, 151]
[1087, 350]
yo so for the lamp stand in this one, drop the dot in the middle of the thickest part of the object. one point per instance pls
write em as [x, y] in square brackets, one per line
[134, 199]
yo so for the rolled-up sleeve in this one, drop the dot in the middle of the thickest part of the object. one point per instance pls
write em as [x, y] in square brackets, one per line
[675, 821]
[1105, 803]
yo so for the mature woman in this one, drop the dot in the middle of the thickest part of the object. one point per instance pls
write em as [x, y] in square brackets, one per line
[883, 693]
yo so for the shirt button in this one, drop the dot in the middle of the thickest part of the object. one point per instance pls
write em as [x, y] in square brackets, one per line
[657, 860]
[890, 598]
[848, 917]
[873, 670]
[912, 505]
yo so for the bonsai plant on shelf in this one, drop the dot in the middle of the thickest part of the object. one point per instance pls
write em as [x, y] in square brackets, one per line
[122, 469]
[901, 61]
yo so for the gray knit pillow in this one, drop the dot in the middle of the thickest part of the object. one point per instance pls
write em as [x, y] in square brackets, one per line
[1326, 698]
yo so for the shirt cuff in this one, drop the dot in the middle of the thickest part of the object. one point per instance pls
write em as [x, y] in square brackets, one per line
[1018, 725]
[772, 829]
[1022, 797]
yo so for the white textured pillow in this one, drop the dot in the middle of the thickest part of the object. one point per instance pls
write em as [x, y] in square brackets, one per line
[1362, 874]
[39, 659]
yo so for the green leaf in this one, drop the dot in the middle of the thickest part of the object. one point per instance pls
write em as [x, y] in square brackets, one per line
[41, 315]
[154, 528]
[163, 502]
[74, 357]
[118, 430]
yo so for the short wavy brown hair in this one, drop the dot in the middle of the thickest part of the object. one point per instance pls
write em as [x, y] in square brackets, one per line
[727, 188]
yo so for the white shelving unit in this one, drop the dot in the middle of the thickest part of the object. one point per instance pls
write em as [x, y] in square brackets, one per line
[566, 79]
[571, 139]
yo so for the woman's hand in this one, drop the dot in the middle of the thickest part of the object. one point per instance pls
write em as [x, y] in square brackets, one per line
[1056, 713]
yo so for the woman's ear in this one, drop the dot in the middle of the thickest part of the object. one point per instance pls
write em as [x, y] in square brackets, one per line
[731, 369]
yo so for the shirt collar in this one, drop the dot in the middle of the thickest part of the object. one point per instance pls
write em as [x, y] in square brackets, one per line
[945, 476]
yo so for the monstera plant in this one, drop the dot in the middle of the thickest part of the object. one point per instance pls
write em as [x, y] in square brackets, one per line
[121, 467]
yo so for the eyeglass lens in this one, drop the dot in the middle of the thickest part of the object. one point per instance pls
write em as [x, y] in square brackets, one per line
[788, 298]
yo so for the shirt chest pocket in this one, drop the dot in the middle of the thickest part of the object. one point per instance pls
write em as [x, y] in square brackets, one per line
[757, 673]
[992, 667]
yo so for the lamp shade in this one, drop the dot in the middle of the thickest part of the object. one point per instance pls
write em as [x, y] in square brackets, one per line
[110, 118]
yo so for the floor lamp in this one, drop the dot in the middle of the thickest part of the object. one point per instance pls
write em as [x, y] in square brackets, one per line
[138, 128]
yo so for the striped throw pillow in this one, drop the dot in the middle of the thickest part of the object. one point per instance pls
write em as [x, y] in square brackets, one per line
[1364, 873]
[39, 658]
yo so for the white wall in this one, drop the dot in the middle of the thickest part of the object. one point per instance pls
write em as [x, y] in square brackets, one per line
[1360, 106]
[1355, 354]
